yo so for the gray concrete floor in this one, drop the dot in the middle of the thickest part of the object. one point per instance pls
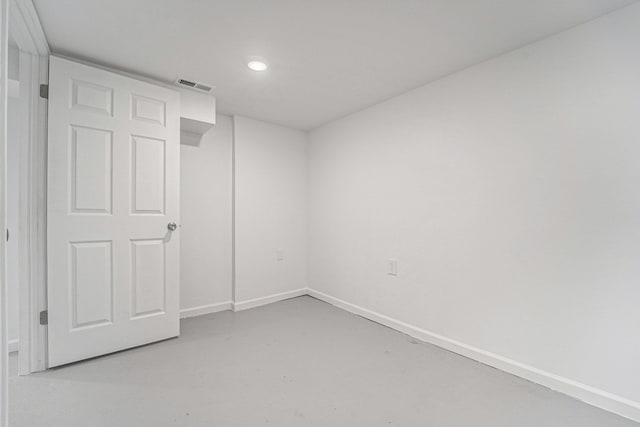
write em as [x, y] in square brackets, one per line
[298, 363]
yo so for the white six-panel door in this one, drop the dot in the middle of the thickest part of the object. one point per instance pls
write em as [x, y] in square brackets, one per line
[113, 188]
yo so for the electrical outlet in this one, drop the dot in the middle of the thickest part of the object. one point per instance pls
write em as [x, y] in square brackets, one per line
[279, 255]
[392, 267]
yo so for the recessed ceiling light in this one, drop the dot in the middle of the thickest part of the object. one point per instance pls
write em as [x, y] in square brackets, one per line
[257, 65]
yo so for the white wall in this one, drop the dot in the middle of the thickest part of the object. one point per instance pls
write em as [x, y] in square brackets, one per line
[270, 214]
[270, 209]
[509, 194]
[206, 186]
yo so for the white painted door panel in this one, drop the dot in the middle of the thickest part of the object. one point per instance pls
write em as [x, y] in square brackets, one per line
[113, 186]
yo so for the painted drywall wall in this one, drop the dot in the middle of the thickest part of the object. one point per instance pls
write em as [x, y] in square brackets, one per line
[508, 193]
[270, 181]
[270, 215]
[206, 186]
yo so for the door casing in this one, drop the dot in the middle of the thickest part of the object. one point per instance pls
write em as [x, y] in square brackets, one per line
[27, 32]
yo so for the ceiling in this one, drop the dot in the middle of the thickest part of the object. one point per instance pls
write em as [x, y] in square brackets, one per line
[327, 58]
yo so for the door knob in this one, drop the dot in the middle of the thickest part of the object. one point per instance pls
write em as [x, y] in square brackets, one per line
[172, 226]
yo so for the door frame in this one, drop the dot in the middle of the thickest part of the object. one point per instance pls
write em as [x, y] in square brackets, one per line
[4, 355]
[26, 30]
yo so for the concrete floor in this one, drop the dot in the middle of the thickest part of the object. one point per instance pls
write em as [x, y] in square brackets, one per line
[298, 363]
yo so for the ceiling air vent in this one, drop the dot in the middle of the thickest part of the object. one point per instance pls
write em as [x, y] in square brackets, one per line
[200, 87]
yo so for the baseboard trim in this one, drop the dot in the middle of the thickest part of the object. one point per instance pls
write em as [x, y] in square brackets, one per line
[591, 395]
[257, 302]
[205, 309]
[241, 305]
[12, 345]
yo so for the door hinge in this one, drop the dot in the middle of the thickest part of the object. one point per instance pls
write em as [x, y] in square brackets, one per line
[44, 317]
[44, 91]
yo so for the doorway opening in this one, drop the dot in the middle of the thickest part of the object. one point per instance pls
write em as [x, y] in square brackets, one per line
[25, 198]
